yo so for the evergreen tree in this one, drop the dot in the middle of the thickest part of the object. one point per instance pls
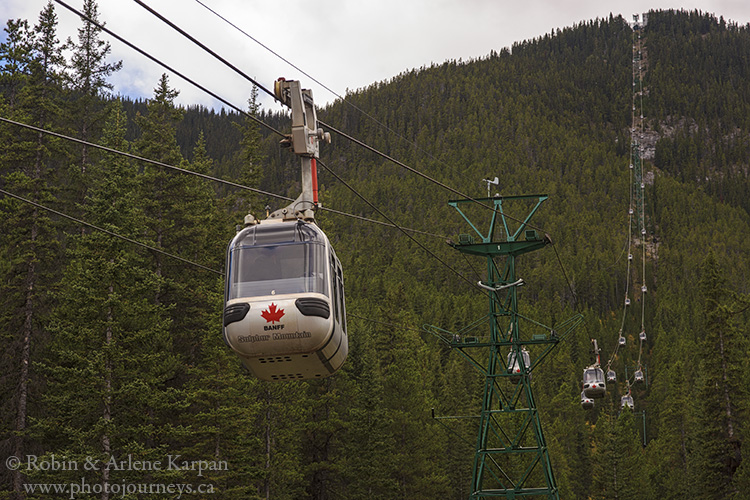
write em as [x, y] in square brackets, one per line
[181, 218]
[224, 408]
[224, 401]
[29, 161]
[366, 438]
[405, 367]
[15, 57]
[279, 424]
[111, 363]
[157, 142]
[248, 161]
[667, 455]
[460, 396]
[717, 432]
[618, 469]
[90, 71]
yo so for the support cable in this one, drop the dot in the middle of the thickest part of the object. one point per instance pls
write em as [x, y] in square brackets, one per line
[177, 257]
[203, 176]
[373, 221]
[343, 99]
[394, 326]
[576, 305]
[110, 233]
[169, 68]
[414, 171]
[140, 158]
[205, 48]
[333, 129]
[382, 214]
[370, 148]
[230, 23]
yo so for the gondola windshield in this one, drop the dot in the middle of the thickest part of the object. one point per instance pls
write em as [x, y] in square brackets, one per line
[593, 376]
[277, 259]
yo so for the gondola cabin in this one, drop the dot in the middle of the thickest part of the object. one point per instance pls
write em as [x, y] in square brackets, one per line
[586, 402]
[514, 365]
[611, 376]
[626, 400]
[593, 382]
[284, 311]
[638, 376]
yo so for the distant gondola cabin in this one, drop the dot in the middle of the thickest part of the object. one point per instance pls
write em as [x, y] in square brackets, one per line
[626, 400]
[586, 402]
[515, 367]
[593, 382]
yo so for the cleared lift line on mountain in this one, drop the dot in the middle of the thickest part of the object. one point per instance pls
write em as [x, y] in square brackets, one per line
[596, 377]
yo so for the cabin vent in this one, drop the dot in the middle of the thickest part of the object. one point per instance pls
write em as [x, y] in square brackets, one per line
[275, 359]
[288, 376]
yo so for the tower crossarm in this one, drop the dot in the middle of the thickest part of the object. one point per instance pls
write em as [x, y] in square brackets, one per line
[499, 215]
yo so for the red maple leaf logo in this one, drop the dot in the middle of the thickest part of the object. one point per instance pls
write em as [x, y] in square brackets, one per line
[272, 315]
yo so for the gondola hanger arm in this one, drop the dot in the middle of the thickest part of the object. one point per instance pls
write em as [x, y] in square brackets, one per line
[304, 141]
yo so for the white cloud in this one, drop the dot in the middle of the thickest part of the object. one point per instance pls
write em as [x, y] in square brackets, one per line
[343, 44]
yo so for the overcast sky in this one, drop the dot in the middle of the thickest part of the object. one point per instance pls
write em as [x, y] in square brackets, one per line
[344, 44]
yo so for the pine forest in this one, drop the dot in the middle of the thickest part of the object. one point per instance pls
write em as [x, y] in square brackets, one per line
[115, 371]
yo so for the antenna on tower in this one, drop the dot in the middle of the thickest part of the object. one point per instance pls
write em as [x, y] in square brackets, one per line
[495, 181]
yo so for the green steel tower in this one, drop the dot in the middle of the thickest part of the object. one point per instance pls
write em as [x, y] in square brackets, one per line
[511, 457]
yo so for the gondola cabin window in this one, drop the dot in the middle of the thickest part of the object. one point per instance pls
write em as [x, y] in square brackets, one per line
[341, 309]
[271, 267]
